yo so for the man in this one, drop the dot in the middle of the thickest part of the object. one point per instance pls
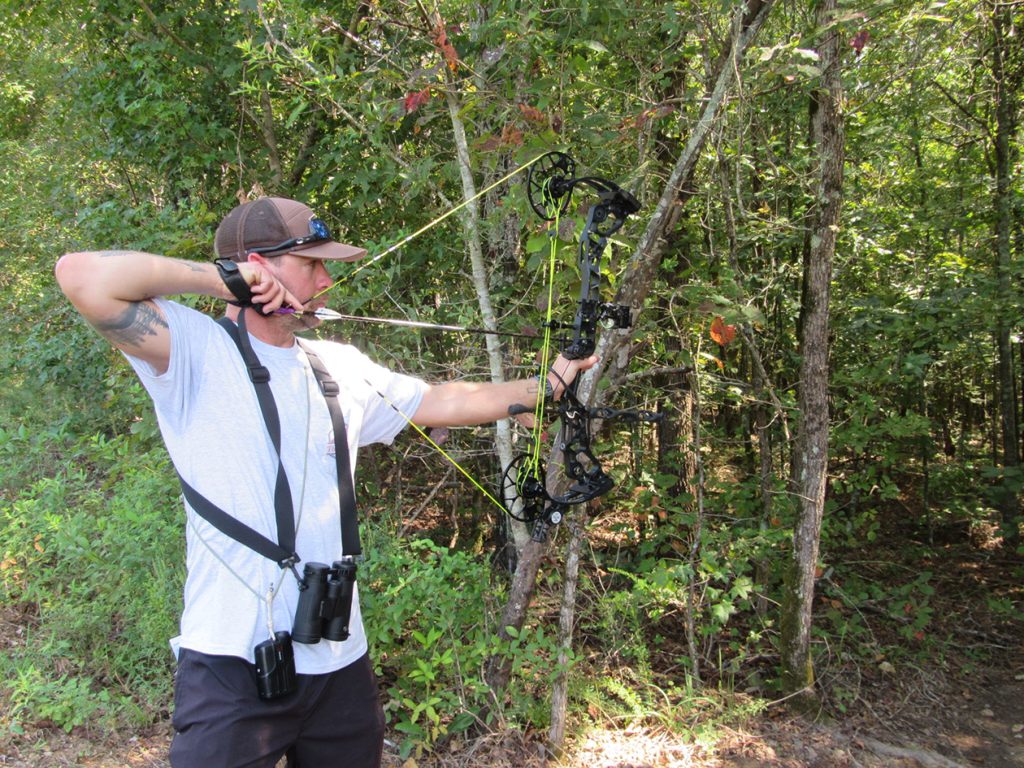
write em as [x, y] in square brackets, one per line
[220, 437]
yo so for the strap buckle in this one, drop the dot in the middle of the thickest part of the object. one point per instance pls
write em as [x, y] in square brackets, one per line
[290, 562]
[258, 374]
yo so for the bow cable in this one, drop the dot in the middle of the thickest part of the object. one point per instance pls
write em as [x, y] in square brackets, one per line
[409, 323]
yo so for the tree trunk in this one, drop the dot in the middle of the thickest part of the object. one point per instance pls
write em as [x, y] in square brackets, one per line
[566, 620]
[696, 533]
[613, 347]
[811, 454]
[471, 234]
[1009, 497]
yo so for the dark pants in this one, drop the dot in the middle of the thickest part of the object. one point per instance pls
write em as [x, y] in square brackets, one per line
[220, 721]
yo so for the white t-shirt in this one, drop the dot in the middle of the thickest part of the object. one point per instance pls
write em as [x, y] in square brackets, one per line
[214, 431]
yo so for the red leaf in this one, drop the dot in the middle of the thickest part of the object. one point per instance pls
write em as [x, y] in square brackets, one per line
[511, 136]
[416, 99]
[860, 40]
[532, 114]
[722, 333]
[447, 50]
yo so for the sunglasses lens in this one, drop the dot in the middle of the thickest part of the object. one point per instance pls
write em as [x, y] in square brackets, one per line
[319, 229]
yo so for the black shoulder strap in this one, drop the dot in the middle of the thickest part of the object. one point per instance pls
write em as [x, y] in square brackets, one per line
[238, 531]
[350, 544]
[283, 551]
[260, 378]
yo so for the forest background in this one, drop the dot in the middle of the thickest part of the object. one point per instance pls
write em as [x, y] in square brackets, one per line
[827, 183]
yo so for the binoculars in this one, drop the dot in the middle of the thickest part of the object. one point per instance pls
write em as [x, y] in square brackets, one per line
[325, 606]
[325, 601]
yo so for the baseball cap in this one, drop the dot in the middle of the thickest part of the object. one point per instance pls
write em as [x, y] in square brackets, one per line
[273, 226]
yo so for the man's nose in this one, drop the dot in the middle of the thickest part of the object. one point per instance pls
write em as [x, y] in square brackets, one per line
[323, 277]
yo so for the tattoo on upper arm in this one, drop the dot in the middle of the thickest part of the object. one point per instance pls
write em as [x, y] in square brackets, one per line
[138, 321]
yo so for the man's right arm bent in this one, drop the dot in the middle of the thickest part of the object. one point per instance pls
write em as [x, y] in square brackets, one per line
[113, 290]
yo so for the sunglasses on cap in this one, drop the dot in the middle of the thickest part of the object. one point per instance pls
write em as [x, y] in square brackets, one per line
[318, 233]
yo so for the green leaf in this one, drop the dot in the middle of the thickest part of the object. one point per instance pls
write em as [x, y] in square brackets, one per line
[538, 243]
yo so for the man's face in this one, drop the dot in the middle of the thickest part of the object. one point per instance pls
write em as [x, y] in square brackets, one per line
[304, 277]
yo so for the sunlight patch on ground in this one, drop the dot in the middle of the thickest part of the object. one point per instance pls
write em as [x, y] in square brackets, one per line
[635, 748]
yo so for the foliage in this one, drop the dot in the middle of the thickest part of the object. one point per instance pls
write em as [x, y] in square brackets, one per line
[429, 618]
[140, 124]
[92, 554]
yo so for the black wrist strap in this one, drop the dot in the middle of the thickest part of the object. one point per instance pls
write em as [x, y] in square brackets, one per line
[234, 281]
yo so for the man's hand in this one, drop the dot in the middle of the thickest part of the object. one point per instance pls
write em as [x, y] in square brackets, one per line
[563, 372]
[267, 291]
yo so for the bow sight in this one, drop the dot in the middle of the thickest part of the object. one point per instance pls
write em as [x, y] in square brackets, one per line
[550, 182]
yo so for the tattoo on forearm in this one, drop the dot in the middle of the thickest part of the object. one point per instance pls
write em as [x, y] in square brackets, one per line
[193, 265]
[139, 320]
[108, 254]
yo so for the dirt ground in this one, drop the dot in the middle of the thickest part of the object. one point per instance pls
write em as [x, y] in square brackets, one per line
[964, 707]
[920, 719]
[978, 726]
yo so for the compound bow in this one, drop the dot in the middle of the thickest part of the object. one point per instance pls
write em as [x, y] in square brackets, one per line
[550, 183]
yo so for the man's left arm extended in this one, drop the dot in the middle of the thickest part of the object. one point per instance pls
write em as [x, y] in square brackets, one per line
[464, 403]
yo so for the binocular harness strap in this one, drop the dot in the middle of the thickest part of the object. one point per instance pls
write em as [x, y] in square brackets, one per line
[283, 551]
[346, 489]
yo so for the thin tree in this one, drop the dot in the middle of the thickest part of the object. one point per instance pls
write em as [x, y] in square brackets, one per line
[1006, 319]
[810, 460]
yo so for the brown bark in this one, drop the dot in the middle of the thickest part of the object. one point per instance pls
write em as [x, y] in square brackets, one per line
[811, 453]
[1009, 499]
[566, 622]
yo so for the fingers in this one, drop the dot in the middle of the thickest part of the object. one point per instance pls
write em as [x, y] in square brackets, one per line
[564, 371]
[568, 369]
[525, 420]
[268, 293]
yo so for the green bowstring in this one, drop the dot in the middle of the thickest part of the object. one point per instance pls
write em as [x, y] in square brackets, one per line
[531, 467]
[433, 444]
[409, 238]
